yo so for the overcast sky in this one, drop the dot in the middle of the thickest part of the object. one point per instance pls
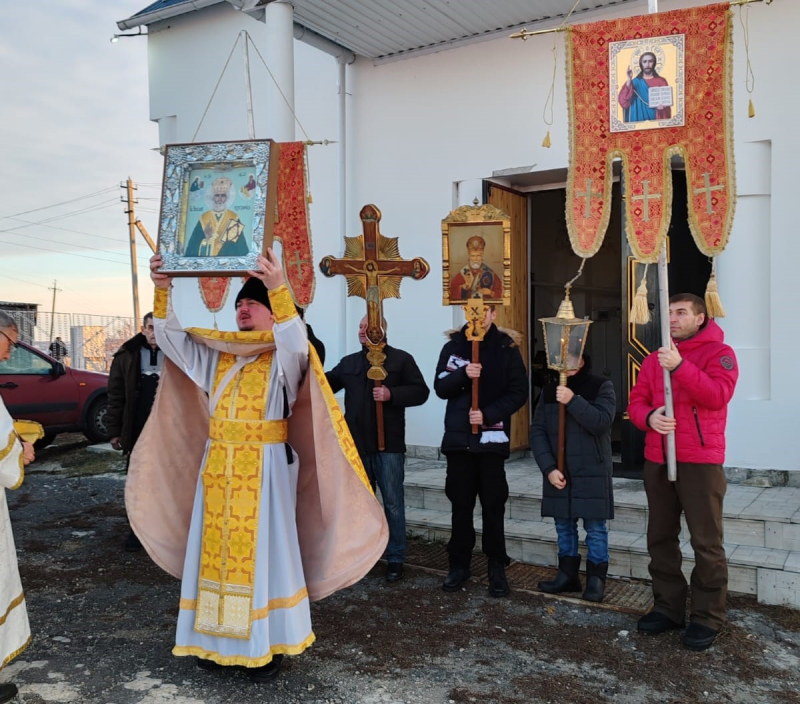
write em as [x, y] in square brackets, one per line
[75, 122]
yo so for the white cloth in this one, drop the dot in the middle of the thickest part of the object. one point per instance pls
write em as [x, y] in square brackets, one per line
[284, 624]
[15, 633]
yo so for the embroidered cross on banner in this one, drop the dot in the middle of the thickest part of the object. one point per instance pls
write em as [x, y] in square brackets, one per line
[646, 197]
[298, 262]
[708, 188]
[587, 213]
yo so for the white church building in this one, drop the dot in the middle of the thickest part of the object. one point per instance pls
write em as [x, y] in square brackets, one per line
[431, 106]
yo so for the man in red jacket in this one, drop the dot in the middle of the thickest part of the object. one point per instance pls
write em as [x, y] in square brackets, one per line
[704, 373]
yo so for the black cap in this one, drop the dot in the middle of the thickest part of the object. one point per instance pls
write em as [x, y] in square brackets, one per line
[254, 289]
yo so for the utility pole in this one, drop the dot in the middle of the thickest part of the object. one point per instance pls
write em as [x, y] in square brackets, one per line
[129, 188]
[54, 289]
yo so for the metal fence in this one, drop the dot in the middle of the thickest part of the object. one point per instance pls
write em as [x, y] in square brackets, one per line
[91, 340]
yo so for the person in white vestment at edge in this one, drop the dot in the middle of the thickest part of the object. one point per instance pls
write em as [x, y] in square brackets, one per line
[271, 528]
[15, 633]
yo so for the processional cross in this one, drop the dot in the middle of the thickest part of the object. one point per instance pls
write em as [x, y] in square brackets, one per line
[374, 270]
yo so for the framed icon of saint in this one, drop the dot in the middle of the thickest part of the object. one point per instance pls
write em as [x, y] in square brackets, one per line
[217, 206]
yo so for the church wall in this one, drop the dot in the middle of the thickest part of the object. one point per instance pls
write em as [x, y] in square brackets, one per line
[419, 125]
[423, 123]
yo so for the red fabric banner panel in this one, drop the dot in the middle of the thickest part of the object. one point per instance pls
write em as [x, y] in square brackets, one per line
[644, 89]
[292, 227]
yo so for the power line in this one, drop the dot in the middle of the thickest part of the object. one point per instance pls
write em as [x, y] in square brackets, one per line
[77, 246]
[23, 281]
[69, 254]
[46, 221]
[64, 202]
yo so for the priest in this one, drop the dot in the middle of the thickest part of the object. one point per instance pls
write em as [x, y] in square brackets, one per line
[282, 512]
[15, 633]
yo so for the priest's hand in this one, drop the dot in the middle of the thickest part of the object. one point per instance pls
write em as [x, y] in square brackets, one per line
[159, 280]
[28, 453]
[474, 370]
[564, 394]
[475, 417]
[381, 393]
[557, 479]
[660, 423]
[269, 270]
[115, 443]
[670, 358]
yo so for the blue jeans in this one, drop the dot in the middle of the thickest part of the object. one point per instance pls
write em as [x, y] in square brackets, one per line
[596, 538]
[387, 469]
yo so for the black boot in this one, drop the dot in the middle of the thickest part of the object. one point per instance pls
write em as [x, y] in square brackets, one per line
[567, 579]
[498, 584]
[595, 581]
[268, 672]
[8, 691]
[455, 578]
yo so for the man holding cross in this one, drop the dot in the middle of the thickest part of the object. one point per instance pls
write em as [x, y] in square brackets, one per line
[403, 387]
[475, 461]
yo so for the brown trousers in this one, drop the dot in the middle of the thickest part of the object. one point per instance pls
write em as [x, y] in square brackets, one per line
[698, 492]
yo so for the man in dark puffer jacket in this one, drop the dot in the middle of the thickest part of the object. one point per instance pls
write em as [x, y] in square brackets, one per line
[586, 490]
[475, 463]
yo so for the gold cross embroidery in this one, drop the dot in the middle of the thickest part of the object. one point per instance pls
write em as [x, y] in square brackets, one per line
[646, 197]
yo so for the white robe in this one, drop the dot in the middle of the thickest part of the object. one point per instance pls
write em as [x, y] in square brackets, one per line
[15, 633]
[283, 623]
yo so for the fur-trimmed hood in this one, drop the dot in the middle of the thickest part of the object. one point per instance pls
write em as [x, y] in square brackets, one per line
[516, 337]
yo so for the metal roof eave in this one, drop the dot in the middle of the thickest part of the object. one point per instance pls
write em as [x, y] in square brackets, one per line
[165, 13]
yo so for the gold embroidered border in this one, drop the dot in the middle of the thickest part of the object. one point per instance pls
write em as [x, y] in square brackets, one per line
[21, 473]
[266, 432]
[242, 336]
[12, 439]
[288, 602]
[14, 604]
[283, 307]
[160, 303]
[241, 660]
[346, 442]
[17, 652]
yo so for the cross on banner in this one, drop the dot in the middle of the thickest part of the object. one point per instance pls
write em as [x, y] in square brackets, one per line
[298, 262]
[374, 270]
[646, 197]
[587, 213]
[708, 188]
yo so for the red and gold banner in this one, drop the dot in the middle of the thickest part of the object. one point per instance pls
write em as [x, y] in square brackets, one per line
[293, 227]
[645, 89]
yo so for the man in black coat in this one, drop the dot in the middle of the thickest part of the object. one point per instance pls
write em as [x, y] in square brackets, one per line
[132, 384]
[476, 463]
[403, 387]
[584, 490]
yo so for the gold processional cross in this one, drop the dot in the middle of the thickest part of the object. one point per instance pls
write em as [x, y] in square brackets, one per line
[374, 270]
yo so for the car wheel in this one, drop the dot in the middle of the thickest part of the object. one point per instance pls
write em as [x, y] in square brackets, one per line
[97, 421]
[41, 443]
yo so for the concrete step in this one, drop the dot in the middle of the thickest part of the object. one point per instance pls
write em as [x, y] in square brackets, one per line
[762, 528]
[753, 516]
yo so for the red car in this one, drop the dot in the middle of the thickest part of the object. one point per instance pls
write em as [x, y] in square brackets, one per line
[34, 386]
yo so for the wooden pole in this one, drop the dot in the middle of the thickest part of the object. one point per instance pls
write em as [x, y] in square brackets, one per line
[132, 237]
[248, 92]
[475, 382]
[379, 420]
[562, 430]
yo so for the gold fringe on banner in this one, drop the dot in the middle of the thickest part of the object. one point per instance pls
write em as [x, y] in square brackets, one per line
[640, 310]
[713, 302]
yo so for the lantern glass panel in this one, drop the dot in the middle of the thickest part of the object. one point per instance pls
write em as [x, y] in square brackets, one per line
[556, 334]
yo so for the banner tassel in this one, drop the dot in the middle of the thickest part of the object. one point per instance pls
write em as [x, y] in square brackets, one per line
[713, 302]
[640, 310]
[751, 111]
[546, 143]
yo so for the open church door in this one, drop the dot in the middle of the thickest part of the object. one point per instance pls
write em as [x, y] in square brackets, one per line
[688, 273]
[515, 316]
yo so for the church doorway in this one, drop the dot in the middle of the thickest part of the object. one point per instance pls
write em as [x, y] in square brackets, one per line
[545, 261]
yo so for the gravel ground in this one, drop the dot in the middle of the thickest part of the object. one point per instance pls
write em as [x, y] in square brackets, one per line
[103, 622]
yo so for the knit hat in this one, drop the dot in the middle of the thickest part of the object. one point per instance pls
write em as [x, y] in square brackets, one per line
[256, 290]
